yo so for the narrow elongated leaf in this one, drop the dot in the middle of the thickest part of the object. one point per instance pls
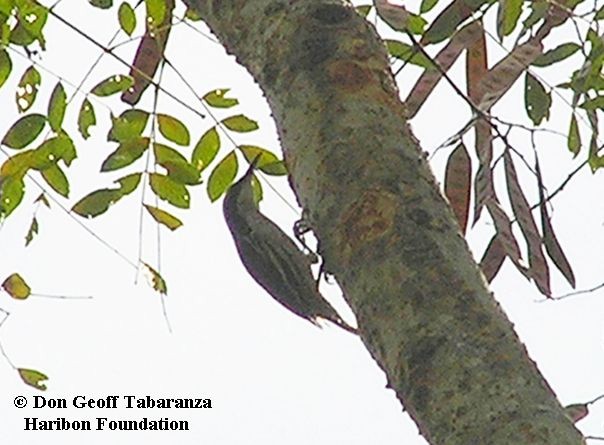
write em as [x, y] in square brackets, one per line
[163, 217]
[504, 74]
[33, 378]
[222, 176]
[24, 131]
[206, 149]
[537, 101]
[449, 19]
[574, 137]
[427, 5]
[550, 240]
[408, 54]
[56, 108]
[218, 99]
[171, 191]
[86, 118]
[445, 59]
[32, 231]
[492, 259]
[27, 90]
[16, 287]
[539, 269]
[173, 129]
[117, 83]
[557, 54]
[507, 16]
[458, 178]
[240, 123]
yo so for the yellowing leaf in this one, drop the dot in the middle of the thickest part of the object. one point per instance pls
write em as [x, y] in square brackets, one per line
[268, 162]
[159, 284]
[163, 217]
[33, 378]
[16, 287]
[574, 137]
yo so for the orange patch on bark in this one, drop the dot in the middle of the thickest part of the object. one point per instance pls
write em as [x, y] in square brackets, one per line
[370, 217]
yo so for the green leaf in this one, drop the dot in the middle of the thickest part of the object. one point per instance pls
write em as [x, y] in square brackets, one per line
[32, 377]
[103, 4]
[222, 176]
[176, 164]
[192, 15]
[16, 287]
[169, 190]
[427, 5]
[56, 107]
[507, 16]
[557, 54]
[95, 203]
[363, 10]
[173, 129]
[127, 18]
[30, 20]
[6, 66]
[53, 150]
[130, 124]
[11, 195]
[86, 118]
[156, 11]
[206, 149]
[537, 101]
[28, 89]
[217, 99]
[240, 123]
[55, 178]
[268, 162]
[407, 53]
[125, 154]
[593, 104]
[600, 14]
[32, 232]
[24, 131]
[99, 201]
[163, 217]
[118, 83]
[574, 137]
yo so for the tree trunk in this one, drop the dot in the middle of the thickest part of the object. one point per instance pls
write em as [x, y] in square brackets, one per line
[385, 231]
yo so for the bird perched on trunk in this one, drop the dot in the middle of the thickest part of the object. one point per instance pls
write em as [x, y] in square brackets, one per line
[272, 258]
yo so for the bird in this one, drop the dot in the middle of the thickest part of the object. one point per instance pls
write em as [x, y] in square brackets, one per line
[272, 258]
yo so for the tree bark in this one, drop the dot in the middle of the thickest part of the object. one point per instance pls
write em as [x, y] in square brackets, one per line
[385, 231]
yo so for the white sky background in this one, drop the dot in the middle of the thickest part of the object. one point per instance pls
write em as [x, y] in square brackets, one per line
[272, 377]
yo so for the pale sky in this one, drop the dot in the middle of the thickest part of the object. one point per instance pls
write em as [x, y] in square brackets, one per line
[272, 377]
